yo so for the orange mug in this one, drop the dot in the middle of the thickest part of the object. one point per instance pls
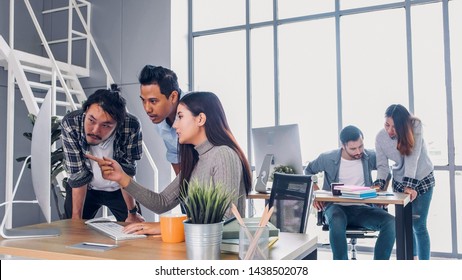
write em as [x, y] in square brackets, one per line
[172, 228]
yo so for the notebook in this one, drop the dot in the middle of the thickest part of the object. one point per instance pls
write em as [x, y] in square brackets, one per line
[231, 230]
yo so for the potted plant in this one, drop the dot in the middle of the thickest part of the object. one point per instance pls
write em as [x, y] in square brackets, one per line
[286, 169]
[206, 206]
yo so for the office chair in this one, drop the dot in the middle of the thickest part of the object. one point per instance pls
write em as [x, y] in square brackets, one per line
[291, 197]
[352, 233]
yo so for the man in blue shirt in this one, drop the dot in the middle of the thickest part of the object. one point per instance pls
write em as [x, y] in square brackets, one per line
[160, 95]
[103, 128]
[351, 164]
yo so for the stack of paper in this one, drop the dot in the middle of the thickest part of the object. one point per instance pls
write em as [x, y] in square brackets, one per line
[358, 192]
[351, 188]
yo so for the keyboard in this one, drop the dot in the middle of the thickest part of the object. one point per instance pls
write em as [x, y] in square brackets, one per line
[114, 231]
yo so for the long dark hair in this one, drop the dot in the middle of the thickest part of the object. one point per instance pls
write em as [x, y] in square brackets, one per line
[217, 132]
[404, 123]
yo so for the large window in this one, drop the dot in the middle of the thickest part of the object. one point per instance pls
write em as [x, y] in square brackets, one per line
[261, 10]
[439, 217]
[217, 14]
[459, 209]
[455, 28]
[351, 4]
[219, 66]
[428, 64]
[298, 8]
[308, 85]
[374, 73]
[325, 64]
[262, 76]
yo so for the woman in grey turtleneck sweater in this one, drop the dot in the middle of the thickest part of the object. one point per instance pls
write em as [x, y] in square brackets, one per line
[208, 151]
[402, 142]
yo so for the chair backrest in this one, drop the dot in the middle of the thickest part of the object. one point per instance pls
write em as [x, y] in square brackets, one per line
[291, 197]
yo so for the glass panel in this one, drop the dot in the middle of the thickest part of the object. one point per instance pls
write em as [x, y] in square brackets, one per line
[262, 77]
[455, 27]
[219, 66]
[374, 73]
[308, 86]
[350, 4]
[296, 8]
[261, 10]
[211, 14]
[439, 215]
[428, 64]
[459, 209]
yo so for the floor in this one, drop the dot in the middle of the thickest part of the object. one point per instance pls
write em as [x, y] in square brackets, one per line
[326, 254]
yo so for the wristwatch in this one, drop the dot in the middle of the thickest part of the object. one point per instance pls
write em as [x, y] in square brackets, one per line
[314, 179]
[134, 210]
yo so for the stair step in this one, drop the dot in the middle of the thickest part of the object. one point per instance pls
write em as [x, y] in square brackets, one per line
[58, 102]
[48, 73]
[58, 89]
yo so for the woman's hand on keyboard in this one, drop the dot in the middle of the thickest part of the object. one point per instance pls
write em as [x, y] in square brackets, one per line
[143, 228]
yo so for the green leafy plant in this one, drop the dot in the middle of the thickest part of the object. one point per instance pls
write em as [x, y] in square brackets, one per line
[206, 203]
[286, 169]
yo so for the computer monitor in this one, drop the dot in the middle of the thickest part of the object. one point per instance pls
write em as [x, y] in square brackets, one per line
[41, 158]
[274, 146]
[41, 176]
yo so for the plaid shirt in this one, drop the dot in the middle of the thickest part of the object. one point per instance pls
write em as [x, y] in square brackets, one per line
[127, 147]
[420, 186]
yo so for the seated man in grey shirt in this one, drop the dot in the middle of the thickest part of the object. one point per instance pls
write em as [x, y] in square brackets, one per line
[351, 164]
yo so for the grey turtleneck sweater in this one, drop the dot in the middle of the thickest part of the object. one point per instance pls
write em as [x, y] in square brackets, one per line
[216, 163]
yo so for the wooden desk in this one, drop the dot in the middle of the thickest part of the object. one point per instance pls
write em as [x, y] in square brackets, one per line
[403, 218]
[289, 246]
[257, 195]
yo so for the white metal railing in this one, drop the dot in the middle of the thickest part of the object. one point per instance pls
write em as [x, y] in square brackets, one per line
[56, 70]
[109, 79]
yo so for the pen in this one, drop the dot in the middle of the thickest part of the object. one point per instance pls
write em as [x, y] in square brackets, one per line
[271, 243]
[229, 220]
[99, 244]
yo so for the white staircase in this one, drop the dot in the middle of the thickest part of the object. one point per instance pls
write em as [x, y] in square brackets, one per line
[36, 77]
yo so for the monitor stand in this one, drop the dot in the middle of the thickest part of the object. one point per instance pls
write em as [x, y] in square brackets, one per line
[29, 233]
[262, 177]
[25, 233]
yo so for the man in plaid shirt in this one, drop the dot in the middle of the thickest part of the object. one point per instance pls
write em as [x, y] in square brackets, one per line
[102, 128]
